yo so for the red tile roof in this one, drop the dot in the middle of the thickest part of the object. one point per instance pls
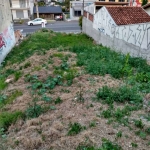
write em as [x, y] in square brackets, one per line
[128, 15]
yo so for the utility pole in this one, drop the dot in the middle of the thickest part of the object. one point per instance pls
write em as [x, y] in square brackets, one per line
[83, 7]
[37, 9]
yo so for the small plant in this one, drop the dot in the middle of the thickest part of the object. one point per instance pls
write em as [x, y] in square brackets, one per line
[17, 75]
[79, 96]
[108, 145]
[3, 84]
[58, 100]
[134, 145]
[27, 64]
[80, 22]
[138, 123]
[92, 124]
[141, 134]
[107, 113]
[119, 134]
[75, 128]
[33, 111]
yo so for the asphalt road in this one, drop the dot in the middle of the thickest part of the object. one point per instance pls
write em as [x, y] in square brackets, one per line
[58, 26]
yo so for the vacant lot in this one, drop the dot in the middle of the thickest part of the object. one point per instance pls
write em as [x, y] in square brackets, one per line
[63, 92]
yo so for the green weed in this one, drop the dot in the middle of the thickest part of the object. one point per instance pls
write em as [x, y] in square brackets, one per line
[141, 134]
[119, 134]
[17, 75]
[9, 99]
[3, 84]
[134, 145]
[27, 64]
[33, 111]
[92, 124]
[7, 118]
[138, 123]
[58, 100]
[75, 128]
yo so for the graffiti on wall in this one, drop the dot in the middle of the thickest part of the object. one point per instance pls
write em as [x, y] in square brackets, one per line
[137, 34]
[7, 41]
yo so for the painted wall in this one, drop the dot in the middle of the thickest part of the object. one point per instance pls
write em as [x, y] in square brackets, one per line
[7, 37]
[90, 8]
[137, 34]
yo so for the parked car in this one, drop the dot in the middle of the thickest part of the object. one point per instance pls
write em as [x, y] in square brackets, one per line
[58, 18]
[37, 21]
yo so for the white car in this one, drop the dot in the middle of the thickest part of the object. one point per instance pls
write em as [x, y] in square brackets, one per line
[37, 21]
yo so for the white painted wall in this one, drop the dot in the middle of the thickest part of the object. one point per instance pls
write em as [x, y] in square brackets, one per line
[90, 9]
[136, 34]
[7, 37]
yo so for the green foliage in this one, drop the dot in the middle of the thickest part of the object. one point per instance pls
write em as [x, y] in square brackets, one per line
[58, 100]
[108, 145]
[27, 64]
[80, 21]
[134, 145]
[9, 99]
[144, 2]
[33, 111]
[141, 134]
[92, 124]
[3, 84]
[17, 75]
[138, 123]
[7, 118]
[121, 94]
[75, 128]
[119, 134]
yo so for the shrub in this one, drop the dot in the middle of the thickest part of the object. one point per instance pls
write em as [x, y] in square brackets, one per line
[80, 22]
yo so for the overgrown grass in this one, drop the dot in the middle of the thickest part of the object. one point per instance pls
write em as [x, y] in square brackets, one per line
[41, 41]
[7, 118]
[9, 99]
[106, 145]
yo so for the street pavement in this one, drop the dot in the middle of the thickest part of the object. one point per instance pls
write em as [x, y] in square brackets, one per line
[58, 26]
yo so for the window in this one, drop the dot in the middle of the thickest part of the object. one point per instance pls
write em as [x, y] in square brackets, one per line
[22, 3]
[111, 0]
[121, 0]
[102, 0]
[77, 13]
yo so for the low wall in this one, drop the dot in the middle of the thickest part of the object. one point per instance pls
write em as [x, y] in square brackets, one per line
[7, 41]
[114, 43]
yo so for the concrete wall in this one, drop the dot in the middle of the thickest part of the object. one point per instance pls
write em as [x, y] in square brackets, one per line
[121, 45]
[7, 37]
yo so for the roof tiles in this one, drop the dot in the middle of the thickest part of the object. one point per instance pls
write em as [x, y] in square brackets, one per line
[128, 15]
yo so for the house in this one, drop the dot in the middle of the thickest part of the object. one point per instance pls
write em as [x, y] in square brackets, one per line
[22, 9]
[124, 29]
[147, 8]
[48, 12]
[7, 36]
[76, 7]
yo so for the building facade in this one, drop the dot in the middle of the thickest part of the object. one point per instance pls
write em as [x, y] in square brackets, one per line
[76, 7]
[22, 9]
[7, 36]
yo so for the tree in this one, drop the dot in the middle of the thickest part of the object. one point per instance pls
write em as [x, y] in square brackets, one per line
[37, 10]
[144, 2]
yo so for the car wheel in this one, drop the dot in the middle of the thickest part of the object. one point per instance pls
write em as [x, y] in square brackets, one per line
[31, 24]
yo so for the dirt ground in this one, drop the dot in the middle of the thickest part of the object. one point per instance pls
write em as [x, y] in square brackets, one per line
[49, 130]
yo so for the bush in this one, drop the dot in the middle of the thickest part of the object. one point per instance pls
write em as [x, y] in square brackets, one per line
[80, 22]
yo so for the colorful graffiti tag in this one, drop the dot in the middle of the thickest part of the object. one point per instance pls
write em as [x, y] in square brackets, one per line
[2, 42]
[7, 41]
